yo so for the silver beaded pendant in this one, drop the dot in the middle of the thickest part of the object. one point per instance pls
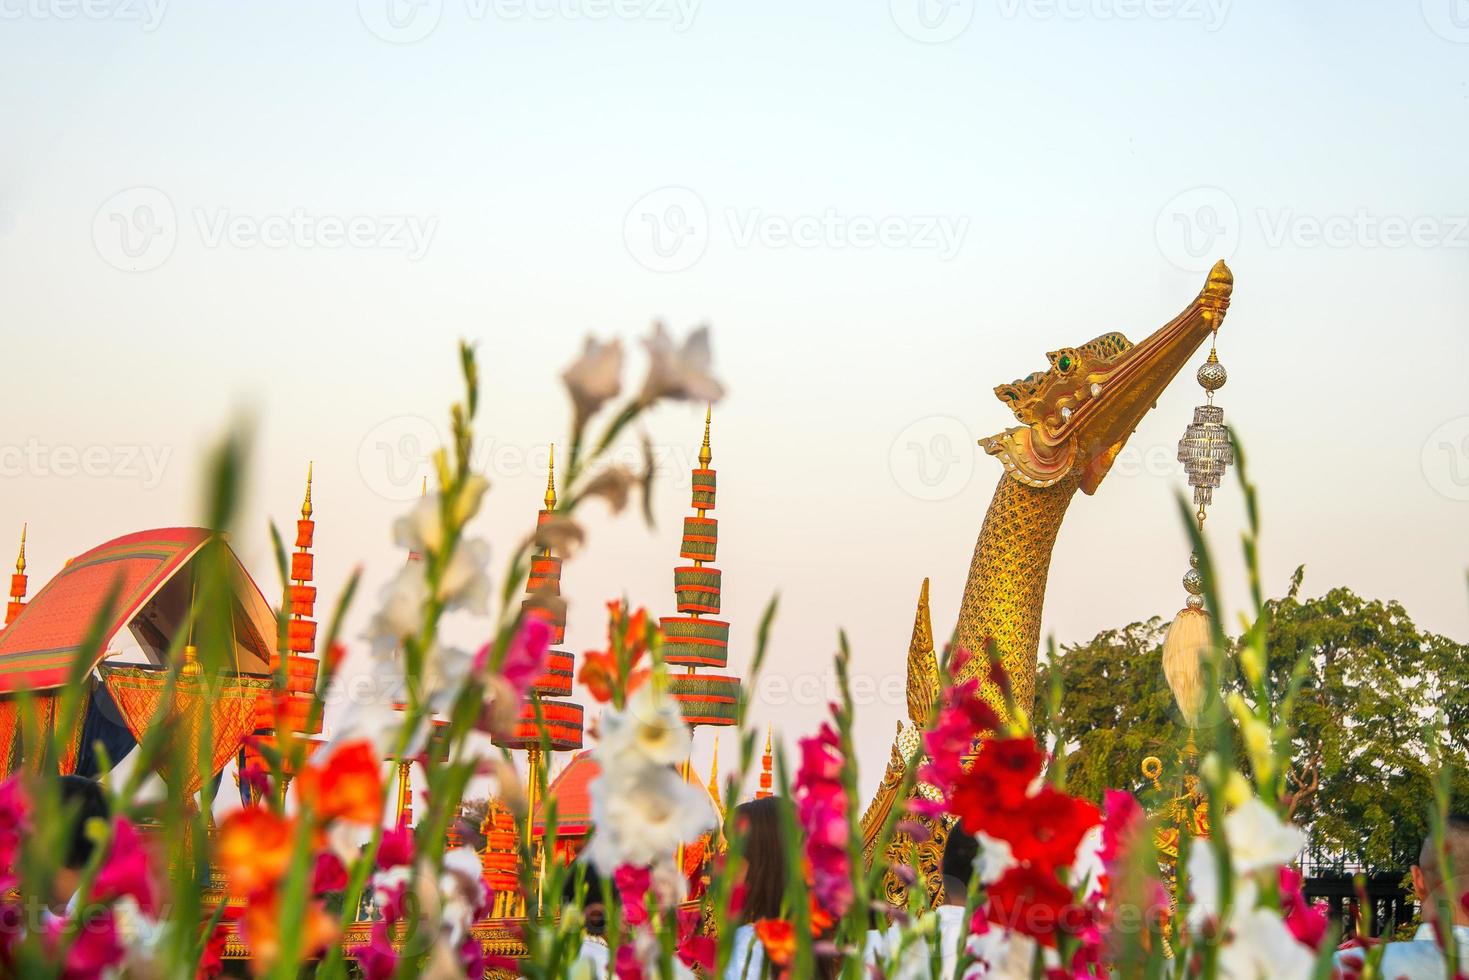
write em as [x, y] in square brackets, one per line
[1205, 450]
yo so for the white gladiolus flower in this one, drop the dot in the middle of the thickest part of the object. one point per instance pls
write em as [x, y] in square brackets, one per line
[1261, 947]
[422, 528]
[993, 859]
[642, 818]
[445, 671]
[680, 373]
[651, 731]
[594, 377]
[1258, 839]
[465, 584]
[400, 609]
[462, 893]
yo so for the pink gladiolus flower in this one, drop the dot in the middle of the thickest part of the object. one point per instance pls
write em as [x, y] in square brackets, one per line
[328, 874]
[698, 951]
[96, 949]
[472, 957]
[127, 871]
[15, 822]
[378, 959]
[821, 808]
[1305, 921]
[525, 658]
[632, 886]
[627, 966]
[1124, 816]
[396, 847]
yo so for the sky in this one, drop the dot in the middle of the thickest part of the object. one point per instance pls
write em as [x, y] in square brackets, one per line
[289, 214]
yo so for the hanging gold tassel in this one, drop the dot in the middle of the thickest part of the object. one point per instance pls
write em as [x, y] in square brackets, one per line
[1184, 650]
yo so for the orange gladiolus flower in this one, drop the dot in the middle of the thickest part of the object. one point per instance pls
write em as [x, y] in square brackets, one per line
[349, 786]
[254, 850]
[779, 939]
[598, 673]
[260, 924]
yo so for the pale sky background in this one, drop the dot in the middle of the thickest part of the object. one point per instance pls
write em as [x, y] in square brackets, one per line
[1089, 159]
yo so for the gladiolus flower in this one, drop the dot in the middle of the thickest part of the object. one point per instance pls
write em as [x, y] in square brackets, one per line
[594, 377]
[254, 850]
[127, 870]
[680, 373]
[349, 786]
[378, 959]
[598, 674]
[260, 925]
[1029, 901]
[328, 874]
[1044, 829]
[525, 658]
[632, 887]
[779, 939]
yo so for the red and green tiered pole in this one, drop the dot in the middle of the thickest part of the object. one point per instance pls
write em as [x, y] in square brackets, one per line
[692, 639]
[564, 720]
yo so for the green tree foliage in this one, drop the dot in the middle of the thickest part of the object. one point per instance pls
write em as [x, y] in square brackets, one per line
[1359, 779]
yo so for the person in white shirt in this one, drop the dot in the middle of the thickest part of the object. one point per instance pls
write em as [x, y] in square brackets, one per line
[1434, 886]
[960, 852]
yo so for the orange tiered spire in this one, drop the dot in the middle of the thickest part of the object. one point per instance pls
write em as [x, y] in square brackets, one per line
[767, 779]
[563, 719]
[499, 859]
[691, 640]
[17, 582]
[291, 712]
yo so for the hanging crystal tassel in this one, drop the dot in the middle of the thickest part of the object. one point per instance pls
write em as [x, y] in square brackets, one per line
[1205, 450]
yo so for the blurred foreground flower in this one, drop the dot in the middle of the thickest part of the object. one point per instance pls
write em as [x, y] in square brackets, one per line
[680, 373]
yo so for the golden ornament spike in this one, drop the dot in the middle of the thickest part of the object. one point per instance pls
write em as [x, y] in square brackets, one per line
[551, 480]
[924, 684]
[714, 777]
[20, 563]
[306, 504]
[705, 454]
[423, 490]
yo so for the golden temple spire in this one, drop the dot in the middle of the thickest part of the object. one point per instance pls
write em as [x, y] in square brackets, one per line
[306, 504]
[705, 454]
[551, 480]
[20, 563]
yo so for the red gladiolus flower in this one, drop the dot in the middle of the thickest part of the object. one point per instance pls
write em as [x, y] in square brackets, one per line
[698, 951]
[378, 959]
[1000, 776]
[779, 939]
[1044, 829]
[1030, 901]
[1307, 922]
[349, 786]
[396, 847]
